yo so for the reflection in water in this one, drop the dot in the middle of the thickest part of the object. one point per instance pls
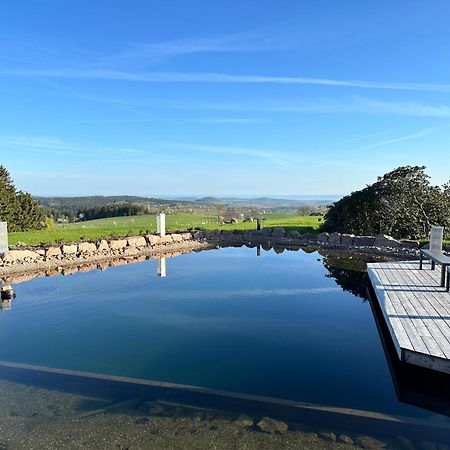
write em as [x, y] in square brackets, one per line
[161, 267]
[258, 313]
[7, 295]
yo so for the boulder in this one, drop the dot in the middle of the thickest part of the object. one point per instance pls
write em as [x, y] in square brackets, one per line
[347, 239]
[117, 244]
[167, 239]
[177, 238]
[323, 238]
[198, 235]
[384, 241]
[334, 239]
[137, 241]
[53, 252]
[130, 251]
[294, 234]
[266, 232]
[212, 234]
[153, 240]
[86, 247]
[272, 426]
[363, 241]
[70, 249]
[186, 236]
[226, 233]
[345, 439]
[103, 246]
[20, 255]
[369, 442]
[410, 244]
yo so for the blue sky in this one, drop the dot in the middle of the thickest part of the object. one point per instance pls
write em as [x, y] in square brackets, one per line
[222, 97]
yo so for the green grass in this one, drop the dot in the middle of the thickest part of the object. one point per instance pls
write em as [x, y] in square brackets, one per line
[133, 225]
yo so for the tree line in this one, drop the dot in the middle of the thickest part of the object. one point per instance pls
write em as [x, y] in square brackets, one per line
[18, 208]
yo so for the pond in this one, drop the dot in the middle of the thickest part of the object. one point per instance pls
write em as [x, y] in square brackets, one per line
[288, 325]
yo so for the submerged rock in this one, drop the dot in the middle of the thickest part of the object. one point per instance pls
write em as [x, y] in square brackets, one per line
[271, 425]
[369, 442]
[243, 421]
[329, 437]
[344, 439]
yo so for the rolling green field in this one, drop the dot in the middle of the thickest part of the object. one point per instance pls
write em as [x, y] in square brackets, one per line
[133, 225]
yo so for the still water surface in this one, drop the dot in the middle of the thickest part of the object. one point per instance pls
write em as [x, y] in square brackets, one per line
[275, 325]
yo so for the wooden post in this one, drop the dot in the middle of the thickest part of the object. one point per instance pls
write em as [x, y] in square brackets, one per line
[3, 237]
[161, 224]
[258, 224]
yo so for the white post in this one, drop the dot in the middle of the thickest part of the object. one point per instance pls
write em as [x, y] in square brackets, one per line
[161, 224]
[162, 267]
[436, 238]
[3, 237]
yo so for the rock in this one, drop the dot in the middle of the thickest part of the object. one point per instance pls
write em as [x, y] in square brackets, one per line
[347, 239]
[294, 234]
[344, 439]
[130, 251]
[278, 232]
[323, 238]
[117, 244]
[212, 234]
[266, 232]
[369, 442]
[86, 247]
[334, 239]
[384, 241]
[329, 437]
[53, 252]
[137, 241]
[177, 238]
[103, 246]
[20, 255]
[271, 425]
[167, 239]
[278, 250]
[186, 236]
[363, 241]
[153, 240]
[69, 249]
[226, 233]
[243, 421]
[198, 235]
[410, 244]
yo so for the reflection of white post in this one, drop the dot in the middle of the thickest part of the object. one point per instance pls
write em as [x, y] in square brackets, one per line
[162, 267]
[161, 224]
[436, 238]
[3, 237]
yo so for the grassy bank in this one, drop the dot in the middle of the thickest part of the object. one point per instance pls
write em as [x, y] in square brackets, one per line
[133, 225]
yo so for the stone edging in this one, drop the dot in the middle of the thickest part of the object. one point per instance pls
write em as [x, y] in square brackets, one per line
[66, 255]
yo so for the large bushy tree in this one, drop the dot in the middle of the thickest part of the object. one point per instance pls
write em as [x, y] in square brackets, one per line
[16, 207]
[401, 203]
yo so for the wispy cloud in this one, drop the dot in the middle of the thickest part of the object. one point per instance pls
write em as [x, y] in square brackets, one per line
[211, 77]
[408, 137]
[271, 156]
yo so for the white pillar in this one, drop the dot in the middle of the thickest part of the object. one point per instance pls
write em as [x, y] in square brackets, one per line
[3, 237]
[436, 238]
[162, 267]
[161, 224]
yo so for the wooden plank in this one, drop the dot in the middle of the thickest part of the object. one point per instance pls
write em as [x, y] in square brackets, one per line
[416, 310]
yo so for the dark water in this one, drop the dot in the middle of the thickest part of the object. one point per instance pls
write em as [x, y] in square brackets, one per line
[287, 325]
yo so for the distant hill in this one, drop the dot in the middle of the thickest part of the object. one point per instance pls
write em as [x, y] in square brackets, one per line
[265, 202]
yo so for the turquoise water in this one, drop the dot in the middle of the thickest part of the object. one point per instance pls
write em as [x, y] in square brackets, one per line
[275, 325]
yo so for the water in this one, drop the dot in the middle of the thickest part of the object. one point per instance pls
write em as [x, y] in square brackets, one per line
[293, 326]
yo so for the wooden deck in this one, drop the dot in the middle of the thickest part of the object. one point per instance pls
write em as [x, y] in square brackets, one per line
[416, 310]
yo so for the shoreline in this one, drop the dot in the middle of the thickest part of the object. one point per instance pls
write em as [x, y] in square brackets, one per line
[22, 264]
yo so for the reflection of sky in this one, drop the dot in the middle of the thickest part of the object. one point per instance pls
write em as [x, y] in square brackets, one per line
[236, 323]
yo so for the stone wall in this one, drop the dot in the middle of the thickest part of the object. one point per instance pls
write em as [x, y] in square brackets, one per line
[56, 256]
